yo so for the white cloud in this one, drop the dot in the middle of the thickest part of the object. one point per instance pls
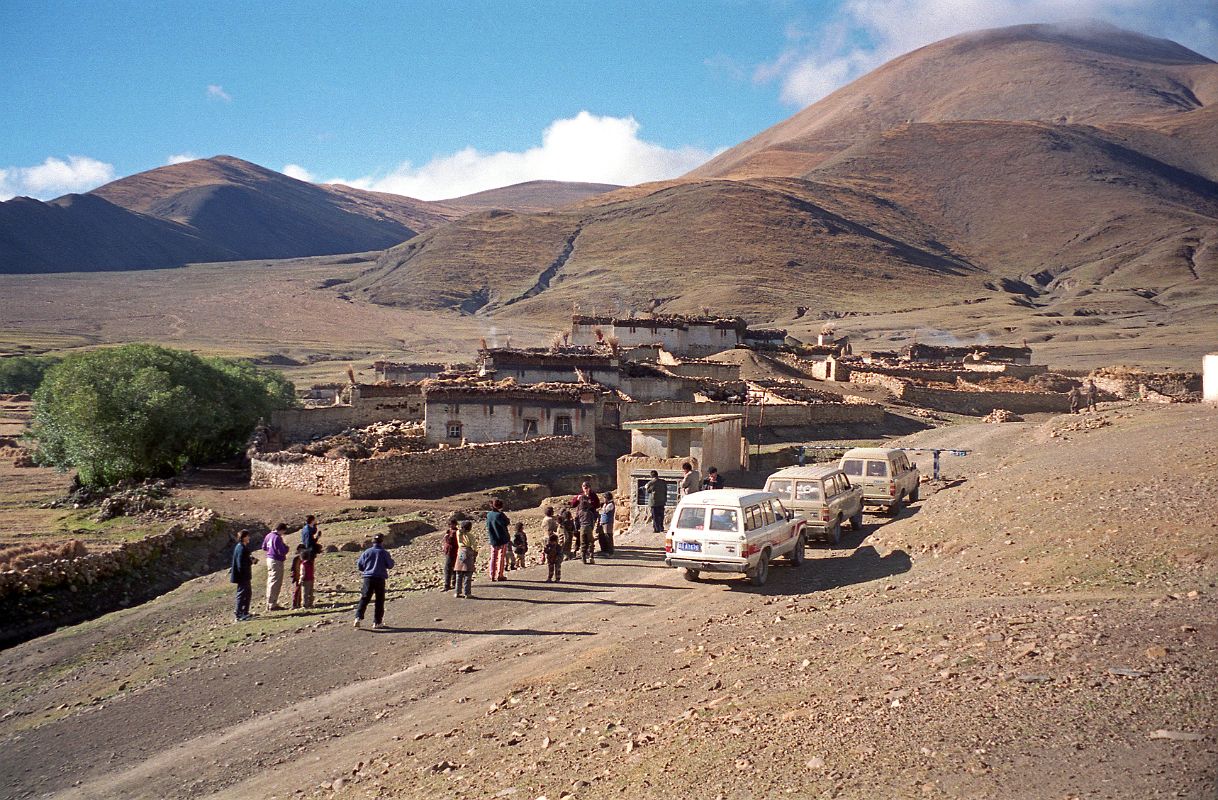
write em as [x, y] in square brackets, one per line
[55, 177]
[180, 158]
[581, 148]
[863, 34]
[298, 172]
[216, 92]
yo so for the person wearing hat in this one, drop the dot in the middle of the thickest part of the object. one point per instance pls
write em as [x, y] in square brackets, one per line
[374, 564]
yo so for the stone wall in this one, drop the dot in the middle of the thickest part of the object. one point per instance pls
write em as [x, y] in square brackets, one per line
[962, 401]
[42, 597]
[301, 472]
[401, 475]
[796, 415]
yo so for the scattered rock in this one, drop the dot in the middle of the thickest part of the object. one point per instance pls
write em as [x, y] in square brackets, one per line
[1175, 736]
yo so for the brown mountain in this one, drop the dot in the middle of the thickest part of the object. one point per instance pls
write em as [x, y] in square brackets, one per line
[531, 196]
[1092, 75]
[259, 213]
[1034, 165]
[87, 233]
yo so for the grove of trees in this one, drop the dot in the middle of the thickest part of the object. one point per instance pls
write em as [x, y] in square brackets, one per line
[23, 373]
[140, 411]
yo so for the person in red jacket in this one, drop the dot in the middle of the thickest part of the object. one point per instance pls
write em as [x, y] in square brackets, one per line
[448, 551]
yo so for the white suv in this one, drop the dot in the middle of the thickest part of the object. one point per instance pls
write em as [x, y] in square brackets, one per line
[732, 530]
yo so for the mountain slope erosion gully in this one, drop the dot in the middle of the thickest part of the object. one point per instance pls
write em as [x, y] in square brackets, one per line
[1048, 608]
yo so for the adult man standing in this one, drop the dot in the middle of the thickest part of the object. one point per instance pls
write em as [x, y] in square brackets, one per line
[1090, 392]
[1074, 395]
[308, 534]
[242, 573]
[657, 497]
[374, 564]
[276, 551]
[691, 480]
[499, 534]
[585, 504]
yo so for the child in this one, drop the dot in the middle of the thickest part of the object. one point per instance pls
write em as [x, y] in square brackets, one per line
[297, 565]
[448, 549]
[467, 555]
[569, 539]
[549, 527]
[553, 556]
[608, 510]
[306, 575]
[520, 544]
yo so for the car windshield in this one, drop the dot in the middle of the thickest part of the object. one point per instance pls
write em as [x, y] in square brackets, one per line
[805, 490]
[853, 467]
[691, 519]
[877, 469]
[782, 488]
[725, 519]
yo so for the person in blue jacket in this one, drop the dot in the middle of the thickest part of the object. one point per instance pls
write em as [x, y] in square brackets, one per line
[374, 564]
[242, 573]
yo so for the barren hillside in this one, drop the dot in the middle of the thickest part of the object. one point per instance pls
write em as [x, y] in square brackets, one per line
[531, 196]
[1082, 75]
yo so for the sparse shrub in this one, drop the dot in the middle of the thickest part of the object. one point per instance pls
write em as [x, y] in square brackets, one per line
[23, 373]
[140, 411]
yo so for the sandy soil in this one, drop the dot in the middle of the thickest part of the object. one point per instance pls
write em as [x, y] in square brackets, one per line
[1048, 612]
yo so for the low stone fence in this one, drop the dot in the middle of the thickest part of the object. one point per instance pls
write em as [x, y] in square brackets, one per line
[44, 596]
[794, 415]
[941, 397]
[400, 475]
[950, 374]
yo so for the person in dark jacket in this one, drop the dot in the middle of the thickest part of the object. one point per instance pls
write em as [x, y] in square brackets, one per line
[586, 504]
[309, 535]
[657, 497]
[448, 551]
[712, 479]
[499, 533]
[374, 564]
[242, 573]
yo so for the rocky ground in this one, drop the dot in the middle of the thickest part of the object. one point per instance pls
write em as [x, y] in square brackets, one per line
[1042, 625]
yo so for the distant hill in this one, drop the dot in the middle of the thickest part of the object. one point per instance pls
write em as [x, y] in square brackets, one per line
[86, 232]
[531, 196]
[1032, 163]
[223, 208]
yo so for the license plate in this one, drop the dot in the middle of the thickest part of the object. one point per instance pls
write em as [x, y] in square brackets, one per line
[695, 547]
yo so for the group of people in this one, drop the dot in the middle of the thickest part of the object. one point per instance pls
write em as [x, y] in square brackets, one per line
[691, 481]
[585, 522]
[582, 526]
[276, 548]
[1077, 396]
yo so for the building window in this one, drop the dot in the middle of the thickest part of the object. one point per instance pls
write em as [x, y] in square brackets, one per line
[530, 427]
[454, 430]
[562, 426]
[452, 408]
[490, 409]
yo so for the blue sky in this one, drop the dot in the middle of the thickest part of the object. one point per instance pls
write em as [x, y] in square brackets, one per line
[438, 98]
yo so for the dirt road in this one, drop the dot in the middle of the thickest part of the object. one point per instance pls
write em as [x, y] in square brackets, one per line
[1051, 614]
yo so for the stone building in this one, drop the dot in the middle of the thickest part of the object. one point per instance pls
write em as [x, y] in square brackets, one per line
[408, 372]
[680, 335]
[458, 413]
[366, 404]
[972, 352]
[638, 380]
[712, 439]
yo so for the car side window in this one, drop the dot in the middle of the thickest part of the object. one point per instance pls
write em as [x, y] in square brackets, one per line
[767, 513]
[877, 469]
[853, 466]
[780, 510]
[752, 518]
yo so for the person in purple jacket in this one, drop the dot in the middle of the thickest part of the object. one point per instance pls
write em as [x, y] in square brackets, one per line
[276, 551]
[374, 563]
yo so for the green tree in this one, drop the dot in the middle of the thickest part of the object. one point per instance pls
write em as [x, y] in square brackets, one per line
[140, 410]
[23, 373]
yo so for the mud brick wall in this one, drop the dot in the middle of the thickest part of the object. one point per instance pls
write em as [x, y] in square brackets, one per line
[963, 402]
[303, 473]
[796, 415]
[369, 405]
[396, 476]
